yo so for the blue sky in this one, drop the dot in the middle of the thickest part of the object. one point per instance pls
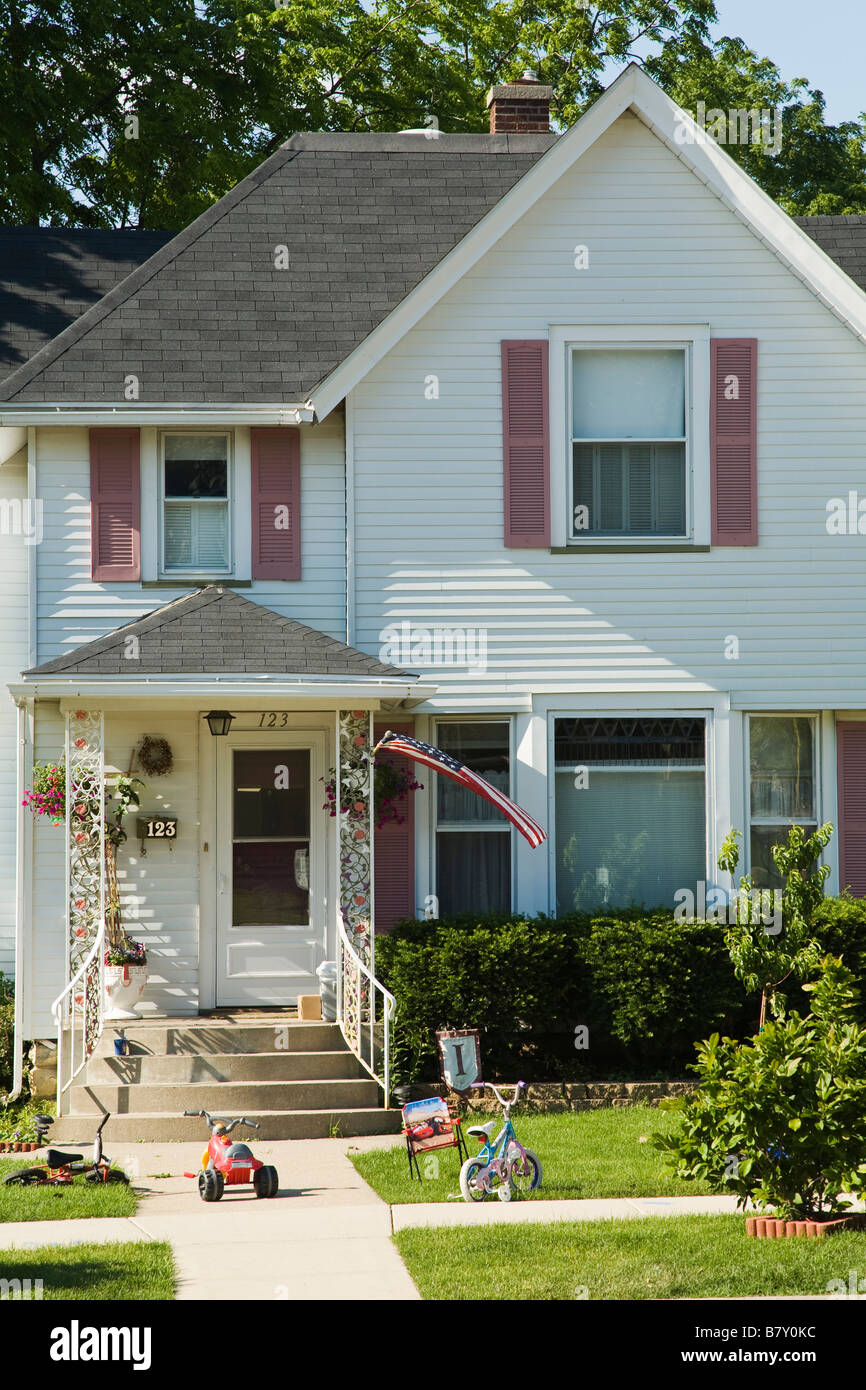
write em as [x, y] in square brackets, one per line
[825, 42]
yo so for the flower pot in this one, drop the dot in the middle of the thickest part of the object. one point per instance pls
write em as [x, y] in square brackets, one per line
[124, 986]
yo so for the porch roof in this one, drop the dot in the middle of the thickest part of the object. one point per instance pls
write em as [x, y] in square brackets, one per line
[217, 632]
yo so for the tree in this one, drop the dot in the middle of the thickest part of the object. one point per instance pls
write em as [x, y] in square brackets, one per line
[819, 168]
[118, 114]
[761, 959]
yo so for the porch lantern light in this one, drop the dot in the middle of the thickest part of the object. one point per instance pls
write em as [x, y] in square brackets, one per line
[219, 722]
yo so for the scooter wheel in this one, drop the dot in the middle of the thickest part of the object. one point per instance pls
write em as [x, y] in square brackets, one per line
[266, 1181]
[211, 1185]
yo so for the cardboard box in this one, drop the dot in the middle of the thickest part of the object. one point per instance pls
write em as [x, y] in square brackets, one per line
[309, 1007]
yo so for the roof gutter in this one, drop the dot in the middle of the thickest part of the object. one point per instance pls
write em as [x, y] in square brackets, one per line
[86, 413]
[208, 689]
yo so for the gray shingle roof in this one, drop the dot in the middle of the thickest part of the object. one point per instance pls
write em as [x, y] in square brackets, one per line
[211, 318]
[215, 631]
[843, 238]
[49, 276]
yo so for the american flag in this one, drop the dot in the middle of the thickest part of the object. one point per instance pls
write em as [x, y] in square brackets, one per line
[444, 763]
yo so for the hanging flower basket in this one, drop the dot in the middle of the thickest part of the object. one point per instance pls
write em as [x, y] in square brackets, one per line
[391, 786]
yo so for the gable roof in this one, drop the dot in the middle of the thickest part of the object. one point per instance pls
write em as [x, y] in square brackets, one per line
[49, 277]
[213, 318]
[632, 91]
[215, 631]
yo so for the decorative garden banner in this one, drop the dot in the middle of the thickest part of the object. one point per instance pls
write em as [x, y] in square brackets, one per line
[460, 1057]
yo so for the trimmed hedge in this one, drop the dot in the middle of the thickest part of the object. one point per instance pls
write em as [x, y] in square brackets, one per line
[645, 986]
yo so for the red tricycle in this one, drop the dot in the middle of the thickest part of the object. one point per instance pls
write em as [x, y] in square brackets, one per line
[224, 1164]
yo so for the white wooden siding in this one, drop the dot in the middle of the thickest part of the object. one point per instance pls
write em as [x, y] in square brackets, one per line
[72, 609]
[662, 248]
[159, 892]
[13, 658]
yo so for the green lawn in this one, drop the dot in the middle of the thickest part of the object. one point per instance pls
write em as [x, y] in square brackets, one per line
[645, 1258]
[95, 1273]
[593, 1153]
[60, 1203]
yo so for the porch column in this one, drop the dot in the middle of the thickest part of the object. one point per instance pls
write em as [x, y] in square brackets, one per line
[85, 849]
[354, 800]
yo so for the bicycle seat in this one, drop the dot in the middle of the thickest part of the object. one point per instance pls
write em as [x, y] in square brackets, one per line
[482, 1130]
[56, 1159]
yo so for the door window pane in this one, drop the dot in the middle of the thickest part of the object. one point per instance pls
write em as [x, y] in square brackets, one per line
[271, 849]
[270, 883]
[630, 811]
[272, 793]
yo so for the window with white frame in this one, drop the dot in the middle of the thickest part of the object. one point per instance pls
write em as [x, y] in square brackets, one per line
[630, 810]
[473, 838]
[629, 474]
[195, 500]
[782, 787]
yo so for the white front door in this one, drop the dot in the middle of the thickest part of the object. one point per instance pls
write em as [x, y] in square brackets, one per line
[271, 869]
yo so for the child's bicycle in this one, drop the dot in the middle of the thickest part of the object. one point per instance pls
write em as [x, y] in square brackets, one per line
[60, 1169]
[502, 1165]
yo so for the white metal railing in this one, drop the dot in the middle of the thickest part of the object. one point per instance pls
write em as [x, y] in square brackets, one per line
[81, 1000]
[357, 992]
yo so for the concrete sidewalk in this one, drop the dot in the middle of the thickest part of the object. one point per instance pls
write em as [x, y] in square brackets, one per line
[326, 1236]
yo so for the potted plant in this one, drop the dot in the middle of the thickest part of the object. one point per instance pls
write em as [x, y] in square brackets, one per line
[391, 786]
[125, 976]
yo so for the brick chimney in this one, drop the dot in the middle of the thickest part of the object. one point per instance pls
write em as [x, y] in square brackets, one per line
[521, 107]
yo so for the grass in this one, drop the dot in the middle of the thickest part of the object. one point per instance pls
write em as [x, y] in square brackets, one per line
[95, 1273]
[593, 1153]
[16, 1120]
[61, 1203]
[646, 1258]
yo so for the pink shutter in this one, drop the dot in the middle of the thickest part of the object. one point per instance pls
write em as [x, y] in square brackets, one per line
[851, 772]
[526, 442]
[394, 852]
[276, 502]
[734, 440]
[115, 505]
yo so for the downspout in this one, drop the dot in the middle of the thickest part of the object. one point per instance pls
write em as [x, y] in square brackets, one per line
[350, 520]
[24, 838]
[24, 773]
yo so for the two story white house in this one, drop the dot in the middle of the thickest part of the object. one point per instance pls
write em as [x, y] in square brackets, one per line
[550, 449]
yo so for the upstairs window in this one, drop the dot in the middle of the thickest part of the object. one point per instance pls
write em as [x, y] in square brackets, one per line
[196, 527]
[629, 443]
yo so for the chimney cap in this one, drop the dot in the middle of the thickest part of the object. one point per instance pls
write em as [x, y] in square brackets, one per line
[524, 90]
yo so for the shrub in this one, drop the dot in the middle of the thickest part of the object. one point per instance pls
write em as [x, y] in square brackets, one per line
[779, 1120]
[7, 1032]
[641, 983]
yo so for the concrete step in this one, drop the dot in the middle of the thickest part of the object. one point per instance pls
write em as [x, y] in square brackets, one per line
[198, 1036]
[213, 1067]
[274, 1124]
[234, 1097]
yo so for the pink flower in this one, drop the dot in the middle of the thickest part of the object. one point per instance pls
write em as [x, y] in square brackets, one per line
[81, 714]
[81, 743]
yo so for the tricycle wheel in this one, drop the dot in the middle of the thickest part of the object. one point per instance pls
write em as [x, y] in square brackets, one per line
[26, 1177]
[211, 1185]
[266, 1182]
